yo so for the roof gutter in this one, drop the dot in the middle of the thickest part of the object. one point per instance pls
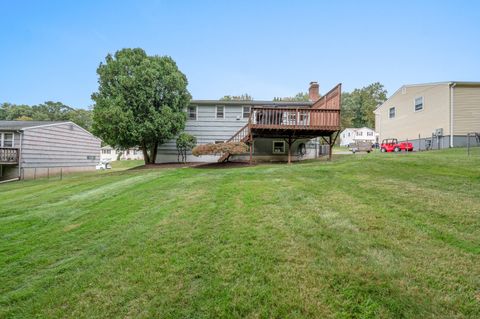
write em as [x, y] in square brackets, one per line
[452, 91]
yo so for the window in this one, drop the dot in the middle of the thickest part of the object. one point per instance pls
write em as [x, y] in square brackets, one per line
[246, 112]
[419, 104]
[303, 118]
[278, 147]
[359, 133]
[106, 151]
[292, 117]
[90, 157]
[6, 140]
[220, 113]
[192, 113]
[219, 142]
[369, 133]
[391, 113]
[348, 134]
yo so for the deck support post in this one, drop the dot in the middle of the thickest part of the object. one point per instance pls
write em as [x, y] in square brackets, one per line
[330, 147]
[289, 142]
[251, 151]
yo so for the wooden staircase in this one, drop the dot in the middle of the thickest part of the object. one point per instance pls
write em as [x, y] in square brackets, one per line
[242, 135]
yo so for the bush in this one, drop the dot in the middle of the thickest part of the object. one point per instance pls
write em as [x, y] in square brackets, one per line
[185, 142]
[232, 148]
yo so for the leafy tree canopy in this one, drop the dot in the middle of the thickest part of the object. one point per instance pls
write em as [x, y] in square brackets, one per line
[243, 97]
[358, 106]
[48, 111]
[299, 97]
[140, 101]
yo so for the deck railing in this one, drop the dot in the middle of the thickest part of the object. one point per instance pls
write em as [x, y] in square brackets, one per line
[295, 118]
[241, 135]
[8, 155]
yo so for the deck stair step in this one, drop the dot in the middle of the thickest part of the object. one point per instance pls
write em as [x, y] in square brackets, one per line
[242, 135]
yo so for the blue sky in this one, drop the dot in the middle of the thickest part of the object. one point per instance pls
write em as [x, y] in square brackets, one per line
[49, 50]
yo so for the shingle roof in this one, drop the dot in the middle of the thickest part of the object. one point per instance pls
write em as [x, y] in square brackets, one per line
[253, 102]
[19, 125]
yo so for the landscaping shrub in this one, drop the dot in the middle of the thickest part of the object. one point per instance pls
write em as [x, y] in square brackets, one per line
[213, 149]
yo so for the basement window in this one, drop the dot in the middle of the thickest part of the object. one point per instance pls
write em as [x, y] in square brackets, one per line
[220, 112]
[278, 147]
[391, 113]
[419, 104]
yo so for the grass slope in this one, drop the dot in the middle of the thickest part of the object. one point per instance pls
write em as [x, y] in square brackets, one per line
[383, 235]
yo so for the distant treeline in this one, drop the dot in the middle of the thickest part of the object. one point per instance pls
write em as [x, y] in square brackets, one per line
[48, 111]
[357, 108]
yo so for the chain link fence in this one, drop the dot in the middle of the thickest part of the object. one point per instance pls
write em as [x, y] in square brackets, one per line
[473, 144]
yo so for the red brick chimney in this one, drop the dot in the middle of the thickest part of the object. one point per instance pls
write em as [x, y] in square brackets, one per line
[314, 92]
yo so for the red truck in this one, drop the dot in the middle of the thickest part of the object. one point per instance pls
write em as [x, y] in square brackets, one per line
[392, 145]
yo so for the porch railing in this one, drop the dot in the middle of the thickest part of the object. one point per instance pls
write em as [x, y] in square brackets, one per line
[9, 155]
[295, 118]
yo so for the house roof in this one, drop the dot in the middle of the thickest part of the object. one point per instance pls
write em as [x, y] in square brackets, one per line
[20, 125]
[253, 102]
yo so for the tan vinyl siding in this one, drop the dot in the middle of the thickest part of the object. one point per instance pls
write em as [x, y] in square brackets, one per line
[466, 115]
[409, 124]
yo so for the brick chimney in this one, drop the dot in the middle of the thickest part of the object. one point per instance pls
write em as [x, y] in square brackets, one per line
[314, 92]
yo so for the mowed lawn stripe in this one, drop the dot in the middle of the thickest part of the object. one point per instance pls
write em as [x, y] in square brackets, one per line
[356, 237]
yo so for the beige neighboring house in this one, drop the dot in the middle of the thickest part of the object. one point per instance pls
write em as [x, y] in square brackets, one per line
[352, 135]
[108, 153]
[442, 112]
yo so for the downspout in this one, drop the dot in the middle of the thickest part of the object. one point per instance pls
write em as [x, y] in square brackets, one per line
[20, 156]
[452, 86]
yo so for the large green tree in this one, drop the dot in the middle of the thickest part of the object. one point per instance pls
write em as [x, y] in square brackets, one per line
[359, 105]
[140, 101]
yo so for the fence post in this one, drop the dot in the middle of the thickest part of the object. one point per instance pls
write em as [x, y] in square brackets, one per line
[468, 144]
[61, 173]
[48, 173]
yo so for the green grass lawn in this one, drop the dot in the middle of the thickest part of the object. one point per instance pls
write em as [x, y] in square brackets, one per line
[378, 235]
[122, 165]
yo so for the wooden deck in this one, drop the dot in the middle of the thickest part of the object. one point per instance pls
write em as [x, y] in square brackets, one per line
[322, 119]
[9, 156]
[289, 122]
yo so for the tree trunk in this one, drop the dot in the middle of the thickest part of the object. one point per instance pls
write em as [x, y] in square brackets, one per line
[153, 153]
[145, 154]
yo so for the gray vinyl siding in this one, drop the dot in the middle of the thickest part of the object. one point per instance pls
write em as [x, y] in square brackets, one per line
[207, 128]
[61, 145]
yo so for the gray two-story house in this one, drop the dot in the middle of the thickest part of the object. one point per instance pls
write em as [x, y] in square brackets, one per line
[274, 131]
[30, 149]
